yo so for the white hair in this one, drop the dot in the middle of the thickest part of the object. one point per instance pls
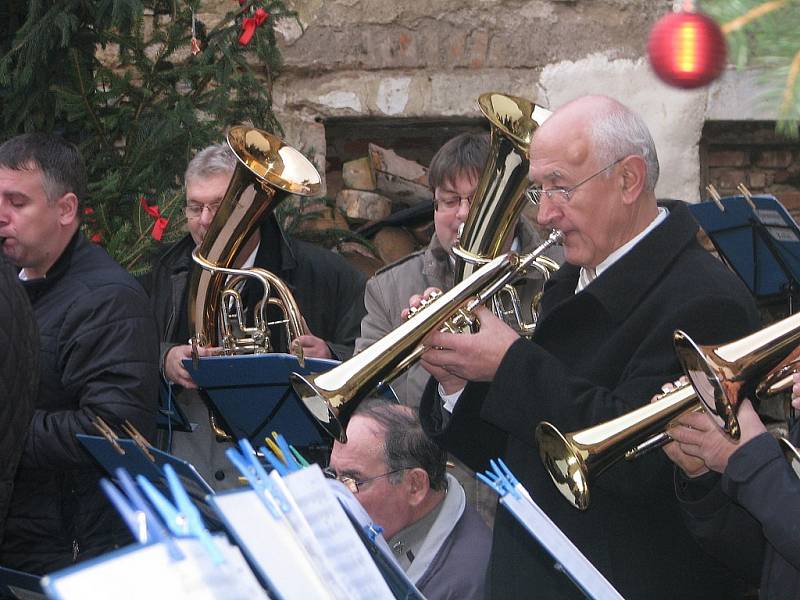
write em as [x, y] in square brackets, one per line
[621, 132]
[218, 158]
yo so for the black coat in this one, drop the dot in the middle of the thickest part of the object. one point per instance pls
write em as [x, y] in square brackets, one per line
[99, 353]
[596, 355]
[328, 290]
[750, 516]
[19, 378]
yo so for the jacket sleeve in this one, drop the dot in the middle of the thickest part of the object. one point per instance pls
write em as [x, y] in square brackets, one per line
[759, 479]
[349, 303]
[532, 385]
[107, 351]
[722, 528]
[377, 321]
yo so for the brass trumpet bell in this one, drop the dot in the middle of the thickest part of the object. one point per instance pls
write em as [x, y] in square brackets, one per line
[724, 375]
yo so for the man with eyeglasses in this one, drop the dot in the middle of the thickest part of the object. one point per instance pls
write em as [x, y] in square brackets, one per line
[452, 177]
[634, 273]
[399, 476]
[328, 290]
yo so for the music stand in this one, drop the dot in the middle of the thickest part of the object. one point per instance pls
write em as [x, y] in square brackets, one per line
[758, 239]
[17, 584]
[252, 395]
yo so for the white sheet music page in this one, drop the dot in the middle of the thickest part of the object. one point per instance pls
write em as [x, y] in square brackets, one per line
[272, 545]
[336, 535]
[140, 572]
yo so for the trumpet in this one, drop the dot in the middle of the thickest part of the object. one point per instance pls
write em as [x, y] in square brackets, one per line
[332, 396]
[721, 377]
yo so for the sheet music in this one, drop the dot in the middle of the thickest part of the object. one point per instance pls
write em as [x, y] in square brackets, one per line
[140, 572]
[272, 546]
[571, 559]
[336, 535]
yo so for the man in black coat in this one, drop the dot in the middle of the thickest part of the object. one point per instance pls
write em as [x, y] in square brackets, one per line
[19, 378]
[602, 347]
[98, 357]
[328, 291]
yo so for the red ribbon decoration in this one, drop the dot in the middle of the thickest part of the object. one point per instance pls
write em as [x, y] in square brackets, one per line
[249, 25]
[160, 222]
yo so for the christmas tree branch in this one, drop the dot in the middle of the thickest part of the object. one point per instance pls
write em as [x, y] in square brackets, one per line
[101, 131]
[752, 15]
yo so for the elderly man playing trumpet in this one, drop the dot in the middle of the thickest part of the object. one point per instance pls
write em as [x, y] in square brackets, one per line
[603, 345]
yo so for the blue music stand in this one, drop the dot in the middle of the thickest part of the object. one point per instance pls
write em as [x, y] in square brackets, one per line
[760, 242]
[252, 395]
[16, 584]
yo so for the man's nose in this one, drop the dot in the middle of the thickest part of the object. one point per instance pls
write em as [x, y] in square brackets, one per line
[548, 212]
[206, 216]
[463, 209]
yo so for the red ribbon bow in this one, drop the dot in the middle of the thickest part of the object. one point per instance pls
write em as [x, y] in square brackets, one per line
[249, 25]
[160, 222]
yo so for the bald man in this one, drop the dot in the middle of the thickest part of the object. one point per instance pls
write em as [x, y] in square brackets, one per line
[602, 347]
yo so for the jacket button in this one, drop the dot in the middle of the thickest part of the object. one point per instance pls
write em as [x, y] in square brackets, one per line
[219, 475]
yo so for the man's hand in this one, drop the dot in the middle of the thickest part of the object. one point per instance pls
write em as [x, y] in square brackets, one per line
[472, 357]
[700, 438]
[173, 367]
[691, 465]
[314, 347]
[796, 390]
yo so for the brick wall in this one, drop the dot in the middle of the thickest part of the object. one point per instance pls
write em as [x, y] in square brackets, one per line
[749, 152]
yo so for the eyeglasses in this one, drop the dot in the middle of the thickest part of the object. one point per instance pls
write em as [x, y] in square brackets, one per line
[561, 196]
[355, 485]
[193, 211]
[447, 202]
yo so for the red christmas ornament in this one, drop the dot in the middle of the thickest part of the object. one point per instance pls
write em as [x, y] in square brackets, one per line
[686, 49]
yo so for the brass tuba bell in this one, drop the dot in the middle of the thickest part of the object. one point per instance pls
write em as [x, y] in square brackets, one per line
[721, 377]
[499, 199]
[267, 171]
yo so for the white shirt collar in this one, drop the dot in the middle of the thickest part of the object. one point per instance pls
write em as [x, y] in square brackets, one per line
[587, 275]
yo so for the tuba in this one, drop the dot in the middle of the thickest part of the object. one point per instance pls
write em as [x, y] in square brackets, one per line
[267, 170]
[721, 377]
[332, 396]
[499, 199]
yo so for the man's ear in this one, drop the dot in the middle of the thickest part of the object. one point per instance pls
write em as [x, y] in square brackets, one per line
[633, 174]
[417, 484]
[67, 206]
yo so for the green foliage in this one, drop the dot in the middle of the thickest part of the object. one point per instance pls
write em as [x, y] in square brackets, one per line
[117, 78]
[765, 35]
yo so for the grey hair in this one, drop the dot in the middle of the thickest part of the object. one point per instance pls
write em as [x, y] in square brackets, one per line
[406, 445]
[621, 132]
[210, 161]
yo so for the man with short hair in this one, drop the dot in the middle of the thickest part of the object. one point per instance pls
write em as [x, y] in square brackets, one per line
[602, 347]
[399, 476]
[328, 291]
[99, 353]
[453, 176]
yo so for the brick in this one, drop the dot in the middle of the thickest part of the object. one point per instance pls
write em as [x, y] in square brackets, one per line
[774, 158]
[728, 158]
[757, 180]
[726, 180]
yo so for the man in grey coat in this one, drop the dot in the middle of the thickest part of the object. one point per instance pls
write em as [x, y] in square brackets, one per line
[399, 476]
[453, 177]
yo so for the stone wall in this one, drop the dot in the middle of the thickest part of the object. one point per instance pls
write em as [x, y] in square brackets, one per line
[371, 59]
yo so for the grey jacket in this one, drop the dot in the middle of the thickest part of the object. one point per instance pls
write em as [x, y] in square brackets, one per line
[388, 291]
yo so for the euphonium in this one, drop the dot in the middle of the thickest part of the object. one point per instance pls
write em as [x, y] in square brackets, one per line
[499, 199]
[721, 377]
[332, 396]
[267, 171]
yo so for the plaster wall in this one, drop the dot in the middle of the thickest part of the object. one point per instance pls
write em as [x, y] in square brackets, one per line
[433, 58]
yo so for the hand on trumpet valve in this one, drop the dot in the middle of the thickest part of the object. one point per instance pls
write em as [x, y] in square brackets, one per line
[700, 445]
[418, 301]
[472, 357]
[796, 391]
